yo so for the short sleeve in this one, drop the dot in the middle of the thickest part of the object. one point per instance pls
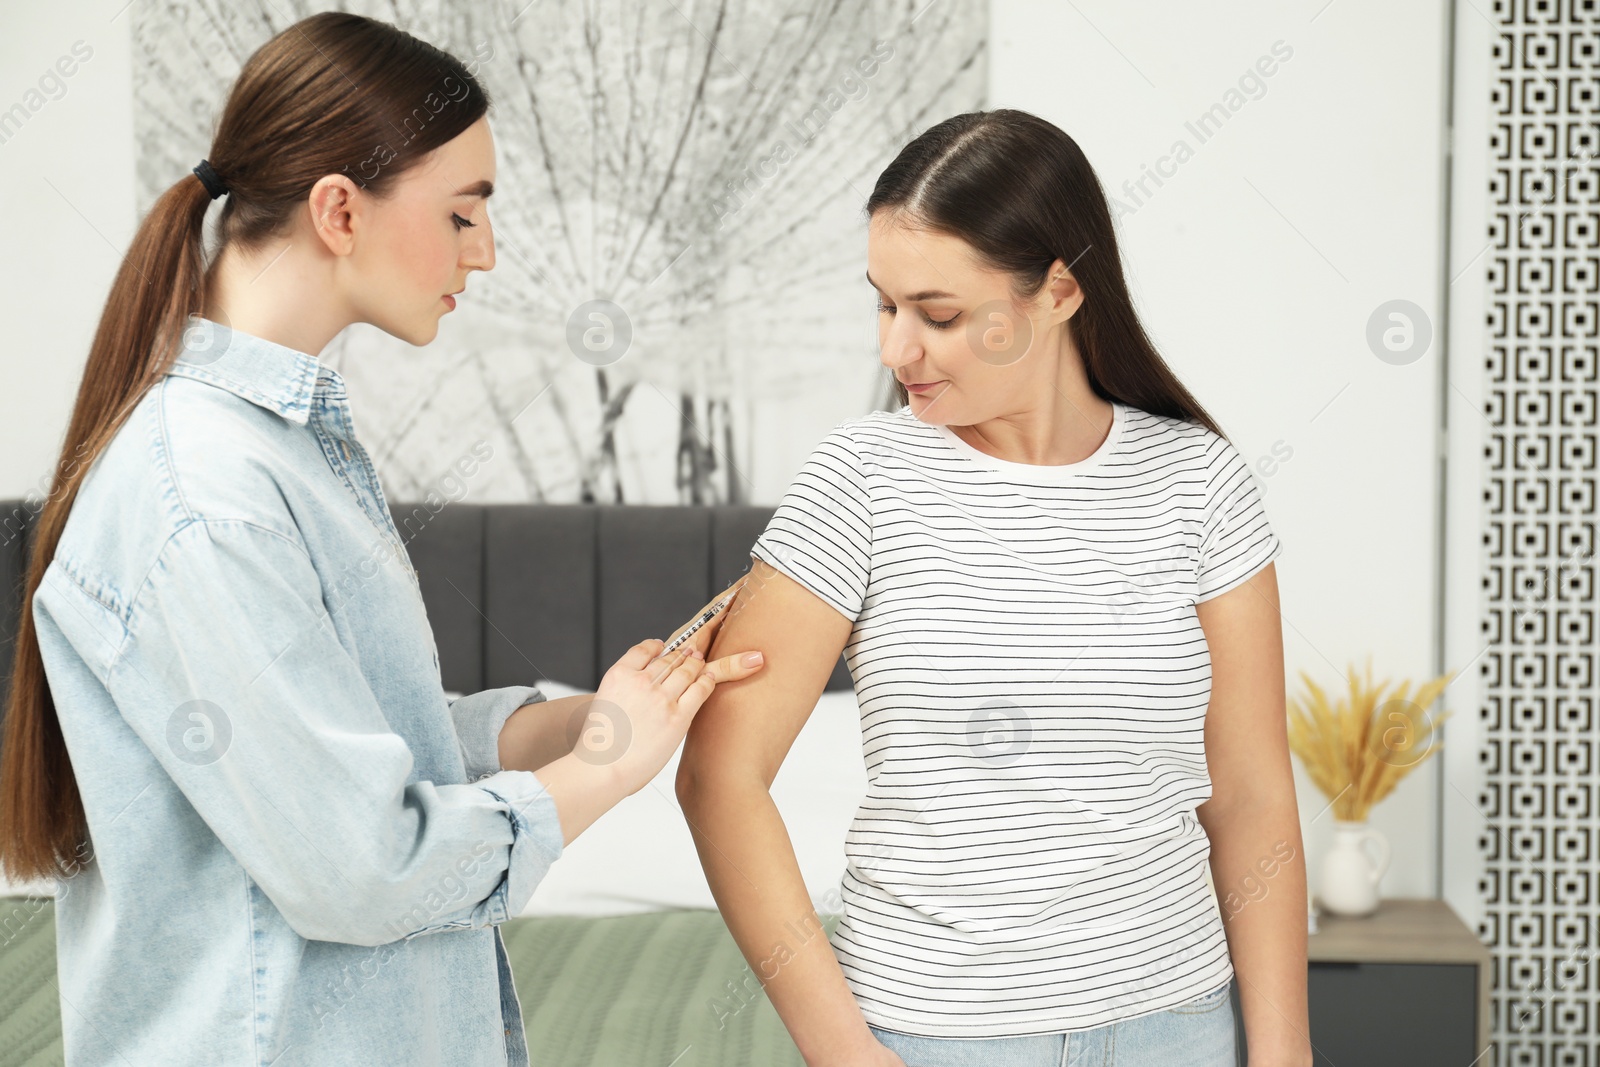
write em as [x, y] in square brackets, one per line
[821, 533]
[1237, 540]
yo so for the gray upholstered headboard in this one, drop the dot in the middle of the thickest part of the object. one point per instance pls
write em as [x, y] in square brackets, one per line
[519, 592]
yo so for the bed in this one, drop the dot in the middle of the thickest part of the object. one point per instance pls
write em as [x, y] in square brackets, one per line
[660, 988]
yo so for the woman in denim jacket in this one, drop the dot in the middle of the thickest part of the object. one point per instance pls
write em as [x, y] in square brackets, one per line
[279, 842]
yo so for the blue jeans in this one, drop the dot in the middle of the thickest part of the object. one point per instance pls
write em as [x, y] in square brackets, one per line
[1196, 1034]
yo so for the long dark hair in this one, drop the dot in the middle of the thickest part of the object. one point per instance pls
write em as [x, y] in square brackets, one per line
[1021, 193]
[334, 93]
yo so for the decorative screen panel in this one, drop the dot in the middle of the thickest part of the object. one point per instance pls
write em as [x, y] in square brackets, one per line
[1540, 862]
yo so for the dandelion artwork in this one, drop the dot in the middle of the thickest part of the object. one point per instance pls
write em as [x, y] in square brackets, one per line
[678, 308]
[1357, 749]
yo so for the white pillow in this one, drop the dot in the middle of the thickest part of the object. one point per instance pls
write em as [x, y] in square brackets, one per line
[639, 856]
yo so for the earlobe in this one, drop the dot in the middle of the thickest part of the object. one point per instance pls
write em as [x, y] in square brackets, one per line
[1074, 301]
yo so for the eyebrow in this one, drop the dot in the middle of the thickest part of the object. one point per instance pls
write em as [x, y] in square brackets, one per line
[926, 294]
[483, 188]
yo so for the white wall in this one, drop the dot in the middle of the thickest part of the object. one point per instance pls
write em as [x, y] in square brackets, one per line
[66, 179]
[1465, 521]
[1256, 266]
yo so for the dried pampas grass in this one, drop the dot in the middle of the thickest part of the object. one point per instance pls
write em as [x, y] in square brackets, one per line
[1357, 749]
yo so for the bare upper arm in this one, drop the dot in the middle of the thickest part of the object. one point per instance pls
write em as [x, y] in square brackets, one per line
[745, 728]
[1246, 733]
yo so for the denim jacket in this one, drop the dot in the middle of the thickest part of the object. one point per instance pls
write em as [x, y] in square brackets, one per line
[300, 849]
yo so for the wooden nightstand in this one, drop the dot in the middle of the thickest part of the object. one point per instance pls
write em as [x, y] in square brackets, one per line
[1407, 986]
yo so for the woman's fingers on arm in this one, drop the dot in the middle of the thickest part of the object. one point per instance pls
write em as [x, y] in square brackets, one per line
[658, 670]
[697, 692]
[692, 687]
[682, 676]
[731, 668]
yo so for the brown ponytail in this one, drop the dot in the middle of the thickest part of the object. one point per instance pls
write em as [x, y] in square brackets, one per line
[334, 93]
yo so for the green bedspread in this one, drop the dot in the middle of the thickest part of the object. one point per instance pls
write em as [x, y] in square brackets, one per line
[666, 989]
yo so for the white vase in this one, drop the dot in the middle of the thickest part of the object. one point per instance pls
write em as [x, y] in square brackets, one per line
[1348, 881]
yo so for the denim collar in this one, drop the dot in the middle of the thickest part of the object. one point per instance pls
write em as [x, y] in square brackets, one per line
[276, 377]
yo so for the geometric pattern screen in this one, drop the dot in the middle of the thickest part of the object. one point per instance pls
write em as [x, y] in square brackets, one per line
[1540, 848]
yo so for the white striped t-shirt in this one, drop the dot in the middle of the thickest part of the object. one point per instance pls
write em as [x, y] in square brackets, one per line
[1033, 683]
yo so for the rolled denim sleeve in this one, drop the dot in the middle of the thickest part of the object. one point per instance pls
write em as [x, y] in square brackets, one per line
[231, 672]
[479, 718]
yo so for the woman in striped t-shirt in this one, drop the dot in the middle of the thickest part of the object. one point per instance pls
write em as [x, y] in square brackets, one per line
[1052, 579]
